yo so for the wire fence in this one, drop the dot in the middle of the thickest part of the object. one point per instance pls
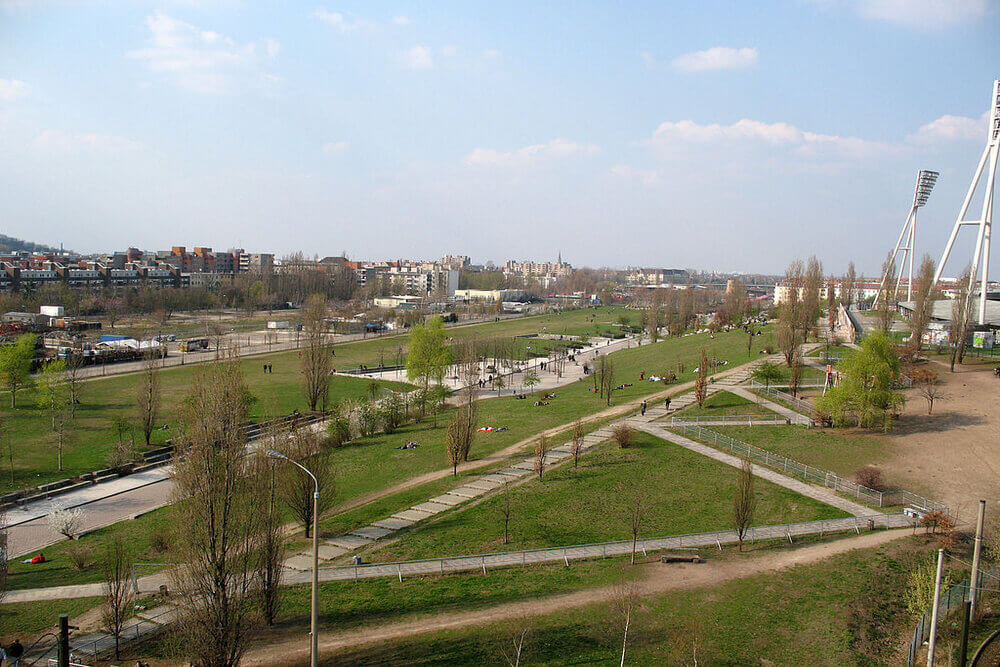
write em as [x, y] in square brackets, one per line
[748, 420]
[715, 539]
[807, 473]
[951, 599]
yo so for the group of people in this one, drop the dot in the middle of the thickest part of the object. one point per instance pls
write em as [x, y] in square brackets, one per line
[268, 368]
[12, 653]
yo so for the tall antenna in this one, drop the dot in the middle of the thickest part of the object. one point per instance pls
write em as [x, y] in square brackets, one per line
[985, 222]
[925, 183]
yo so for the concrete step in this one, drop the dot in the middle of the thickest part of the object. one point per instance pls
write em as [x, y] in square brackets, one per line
[393, 523]
[449, 499]
[412, 515]
[467, 491]
[328, 551]
[483, 484]
[350, 542]
[301, 562]
[433, 508]
[372, 532]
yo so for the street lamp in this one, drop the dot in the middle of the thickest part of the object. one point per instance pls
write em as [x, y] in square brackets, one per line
[313, 652]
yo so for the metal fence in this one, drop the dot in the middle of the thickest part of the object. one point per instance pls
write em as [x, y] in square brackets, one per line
[809, 473]
[749, 420]
[716, 539]
[804, 407]
[951, 599]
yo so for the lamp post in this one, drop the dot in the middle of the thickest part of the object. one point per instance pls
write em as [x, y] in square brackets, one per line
[314, 642]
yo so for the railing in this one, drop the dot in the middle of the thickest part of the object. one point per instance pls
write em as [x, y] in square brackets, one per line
[796, 403]
[732, 419]
[716, 539]
[810, 474]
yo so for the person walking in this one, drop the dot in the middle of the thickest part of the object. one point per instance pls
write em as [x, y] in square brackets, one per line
[666, 403]
[14, 653]
[643, 411]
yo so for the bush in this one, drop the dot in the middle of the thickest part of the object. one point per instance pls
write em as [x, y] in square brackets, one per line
[622, 434]
[871, 477]
[80, 556]
[339, 430]
[160, 539]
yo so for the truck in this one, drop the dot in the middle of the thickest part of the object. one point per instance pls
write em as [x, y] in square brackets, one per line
[193, 345]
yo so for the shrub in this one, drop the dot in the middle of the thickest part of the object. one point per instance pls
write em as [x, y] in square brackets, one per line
[339, 430]
[871, 477]
[80, 556]
[623, 434]
[67, 522]
[160, 539]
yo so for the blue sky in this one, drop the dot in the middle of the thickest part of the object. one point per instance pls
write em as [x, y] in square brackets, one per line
[727, 135]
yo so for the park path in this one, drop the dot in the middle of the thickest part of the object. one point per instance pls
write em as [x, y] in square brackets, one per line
[654, 578]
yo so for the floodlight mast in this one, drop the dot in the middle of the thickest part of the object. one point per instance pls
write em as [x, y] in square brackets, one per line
[985, 222]
[921, 191]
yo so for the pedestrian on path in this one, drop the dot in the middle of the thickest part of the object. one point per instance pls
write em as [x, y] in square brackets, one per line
[666, 403]
[643, 411]
[14, 653]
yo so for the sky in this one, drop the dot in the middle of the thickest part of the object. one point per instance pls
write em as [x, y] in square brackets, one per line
[732, 136]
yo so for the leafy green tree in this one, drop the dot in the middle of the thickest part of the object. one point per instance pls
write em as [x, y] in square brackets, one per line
[52, 390]
[867, 392]
[767, 372]
[429, 356]
[530, 379]
[15, 365]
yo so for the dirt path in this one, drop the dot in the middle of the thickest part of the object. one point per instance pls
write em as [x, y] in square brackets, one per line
[656, 579]
[953, 455]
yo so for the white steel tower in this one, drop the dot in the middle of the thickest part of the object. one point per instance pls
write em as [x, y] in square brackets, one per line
[985, 222]
[925, 183]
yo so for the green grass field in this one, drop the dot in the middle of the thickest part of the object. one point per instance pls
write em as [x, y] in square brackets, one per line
[685, 493]
[842, 451]
[724, 403]
[368, 464]
[844, 610]
[24, 620]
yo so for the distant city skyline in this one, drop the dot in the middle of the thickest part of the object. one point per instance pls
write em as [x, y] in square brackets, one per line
[719, 136]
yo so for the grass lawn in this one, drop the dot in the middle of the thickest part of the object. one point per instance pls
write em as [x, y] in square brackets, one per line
[58, 570]
[724, 403]
[842, 451]
[89, 435]
[372, 463]
[686, 493]
[23, 620]
[844, 610]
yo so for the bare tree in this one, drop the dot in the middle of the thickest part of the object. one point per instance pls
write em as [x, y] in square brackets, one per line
[7, 443]
[147, 394]
[622, 434]
[961, 317]
[541, 453]
[795, 373]
[305, 446]
[744, 501]
[847, 286]
[218, 520]
[576, 445]
[701, 380]
[624, 599]
[272, 545]
[3, 555]
[607, 377]
[928, 386]
[634, 505]
[67, 522]
[453, 441]
[119, 596]
[506, 508]
[512, 645]
[886, 294]
[317, 362]
[923, 303]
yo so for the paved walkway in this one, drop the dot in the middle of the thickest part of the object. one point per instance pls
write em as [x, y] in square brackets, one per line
[787, 413]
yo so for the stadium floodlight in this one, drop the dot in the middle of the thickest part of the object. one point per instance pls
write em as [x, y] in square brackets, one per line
[981, 255]
[921, 192]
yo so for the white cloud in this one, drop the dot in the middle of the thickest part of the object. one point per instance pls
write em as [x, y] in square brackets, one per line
[202, 61]
[553, 150]
[419, 57]
[449, 50]
[950, 128]
[335, 147]
[923, 13]
[648, 58]
[628, 172]
[11, 89]
[62, 142]
[752, 133]
[341, 23]
[492, 54]
[715, 58]
[402, 20]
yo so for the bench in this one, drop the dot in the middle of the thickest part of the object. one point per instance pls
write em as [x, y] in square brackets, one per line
[681, 557]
